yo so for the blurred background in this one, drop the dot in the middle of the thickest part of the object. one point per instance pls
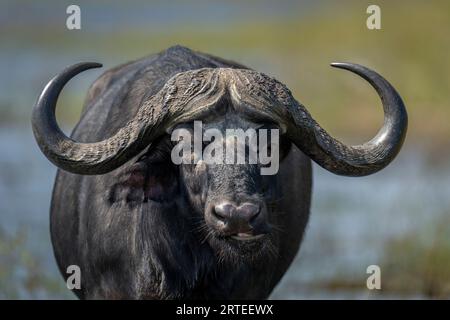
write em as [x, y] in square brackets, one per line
[397, 219]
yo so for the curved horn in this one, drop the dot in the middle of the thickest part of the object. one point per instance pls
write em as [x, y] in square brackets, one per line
[89, 158]
[363, 159]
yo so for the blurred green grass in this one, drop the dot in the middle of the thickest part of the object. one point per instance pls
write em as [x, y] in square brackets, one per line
[420, 261]
[22, 274]
[413, 265]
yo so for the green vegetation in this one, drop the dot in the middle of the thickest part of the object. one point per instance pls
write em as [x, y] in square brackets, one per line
[22, 274]
[420, 262]
[414, 265]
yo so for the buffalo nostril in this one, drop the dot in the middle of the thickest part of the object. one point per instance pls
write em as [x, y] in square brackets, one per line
[231, 219]
[248, 211]
[224, 210]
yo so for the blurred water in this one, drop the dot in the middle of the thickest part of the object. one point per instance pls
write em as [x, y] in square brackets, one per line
[352, 218]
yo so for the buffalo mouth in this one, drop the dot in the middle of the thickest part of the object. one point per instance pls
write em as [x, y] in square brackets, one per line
[253, 236]
[245, 236]
[241, 246]
[240, 238]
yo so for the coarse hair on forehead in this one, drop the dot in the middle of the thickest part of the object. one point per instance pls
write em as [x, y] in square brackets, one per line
[254, 95]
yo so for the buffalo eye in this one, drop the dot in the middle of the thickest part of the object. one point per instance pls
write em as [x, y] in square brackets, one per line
[161, 183]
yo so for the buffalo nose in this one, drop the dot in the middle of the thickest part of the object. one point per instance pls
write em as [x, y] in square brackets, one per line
[224, 210]
[237, 218]
[248, 211]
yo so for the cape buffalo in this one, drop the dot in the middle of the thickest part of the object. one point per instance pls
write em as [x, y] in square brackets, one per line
[141, 227]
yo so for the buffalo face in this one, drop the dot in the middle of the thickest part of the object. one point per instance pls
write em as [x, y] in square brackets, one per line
[234, 203]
